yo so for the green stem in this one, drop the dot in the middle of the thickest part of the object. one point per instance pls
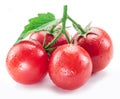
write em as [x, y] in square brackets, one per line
[77, 25]
[62, 31]
[51, 30]
[64, 23]
[53, 41]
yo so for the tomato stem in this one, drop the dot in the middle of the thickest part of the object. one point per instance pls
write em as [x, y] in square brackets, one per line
[64, 19]
[53, 41]
[62, 30]
[80, 29]
[51, 30]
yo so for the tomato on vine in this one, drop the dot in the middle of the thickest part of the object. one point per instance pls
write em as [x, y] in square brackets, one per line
[70, 66]
[27, 62]
[97, 43]
[70, 63]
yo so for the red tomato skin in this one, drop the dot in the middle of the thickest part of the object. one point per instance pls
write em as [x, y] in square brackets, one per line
[99, 45]
[27, 62]
[70, 66]
[40, 36]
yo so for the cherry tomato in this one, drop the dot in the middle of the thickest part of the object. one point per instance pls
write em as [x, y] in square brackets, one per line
[70, 66]
[43, 36]
[99, 45]
[27, 62]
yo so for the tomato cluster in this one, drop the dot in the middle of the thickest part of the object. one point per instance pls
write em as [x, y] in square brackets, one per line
[69, 63]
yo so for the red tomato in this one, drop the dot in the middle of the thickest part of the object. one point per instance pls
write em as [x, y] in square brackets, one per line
[42, 35]
[70, 66]
[99, 45]
[27, 62]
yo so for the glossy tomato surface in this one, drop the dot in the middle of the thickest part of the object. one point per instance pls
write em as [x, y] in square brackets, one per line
[27, 62]
[70, 66]
[99, 45]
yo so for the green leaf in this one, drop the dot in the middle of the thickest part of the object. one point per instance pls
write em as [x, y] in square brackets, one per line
[48, 26]
[36, 22]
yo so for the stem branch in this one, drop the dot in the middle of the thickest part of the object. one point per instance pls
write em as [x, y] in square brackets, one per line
[62, 30]
[64, 23]
[77, 25]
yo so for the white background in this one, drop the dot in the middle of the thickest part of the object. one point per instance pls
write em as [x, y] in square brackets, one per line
[14, 14]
